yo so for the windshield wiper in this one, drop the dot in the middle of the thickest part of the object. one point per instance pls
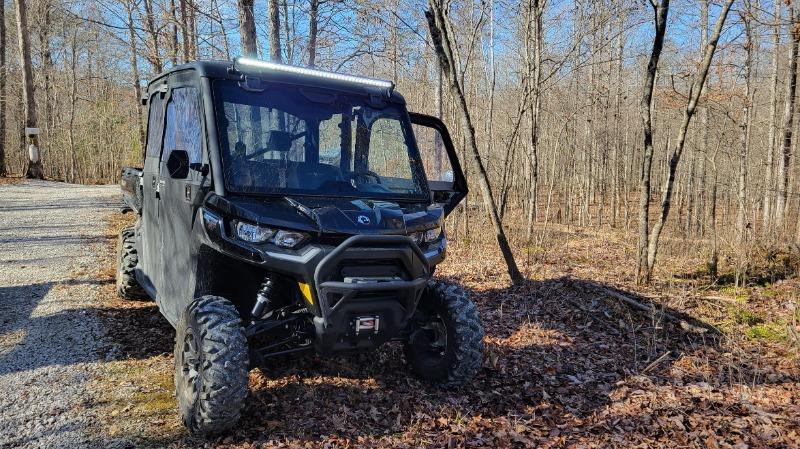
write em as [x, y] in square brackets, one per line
[303, 210]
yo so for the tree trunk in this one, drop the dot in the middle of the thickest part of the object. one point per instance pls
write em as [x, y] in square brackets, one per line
[275, 31]
[773, 117]
[704, 117]
[535, 76]
[247, 28]
[187, 37]
[34, 169]
[619, 187]
[3, 166]
[788, 121]
[137, 88]
[694, 95]
[173, 18]
[73, 79]
[154, 56]
[436, 15]
[46, 58]
[491, 77]
[713, 259]
[747, 110]
[661, 11]
[312, 32]
[741, 211]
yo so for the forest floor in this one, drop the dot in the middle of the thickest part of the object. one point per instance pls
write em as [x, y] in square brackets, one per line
[568, 362]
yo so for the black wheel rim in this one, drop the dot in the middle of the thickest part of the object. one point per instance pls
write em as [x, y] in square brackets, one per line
[430, 337]
[191, 367]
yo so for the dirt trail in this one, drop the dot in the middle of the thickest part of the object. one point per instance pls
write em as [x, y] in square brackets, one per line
[50, 342]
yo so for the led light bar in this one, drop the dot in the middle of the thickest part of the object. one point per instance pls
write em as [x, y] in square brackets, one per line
[383, 84]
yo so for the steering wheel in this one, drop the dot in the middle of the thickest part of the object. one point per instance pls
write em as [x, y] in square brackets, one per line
[362, 176]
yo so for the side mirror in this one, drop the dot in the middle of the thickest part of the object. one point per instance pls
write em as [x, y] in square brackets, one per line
[178, 164]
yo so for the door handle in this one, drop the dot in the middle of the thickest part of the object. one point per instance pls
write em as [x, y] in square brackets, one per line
[158, 185]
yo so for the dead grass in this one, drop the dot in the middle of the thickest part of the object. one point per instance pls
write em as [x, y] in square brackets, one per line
[134, 397]
[11, 179]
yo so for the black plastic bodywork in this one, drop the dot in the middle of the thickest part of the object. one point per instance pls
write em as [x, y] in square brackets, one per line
[358, 260]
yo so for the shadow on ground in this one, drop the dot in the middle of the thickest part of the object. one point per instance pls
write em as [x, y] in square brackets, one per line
[135, 330]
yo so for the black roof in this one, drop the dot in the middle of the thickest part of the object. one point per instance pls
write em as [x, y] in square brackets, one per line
[223, 69]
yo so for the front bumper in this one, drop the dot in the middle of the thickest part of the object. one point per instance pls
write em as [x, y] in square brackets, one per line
[366, 276]
[348, 290]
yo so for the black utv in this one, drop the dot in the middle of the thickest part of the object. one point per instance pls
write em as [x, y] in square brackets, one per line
[283, 209]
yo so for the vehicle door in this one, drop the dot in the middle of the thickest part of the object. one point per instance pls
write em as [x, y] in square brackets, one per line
[179, 184]
[149, 243]
[446, 180]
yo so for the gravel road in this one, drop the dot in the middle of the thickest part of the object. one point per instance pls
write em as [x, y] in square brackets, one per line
[49, 343]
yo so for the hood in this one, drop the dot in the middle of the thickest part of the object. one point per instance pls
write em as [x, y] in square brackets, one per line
[330, 215]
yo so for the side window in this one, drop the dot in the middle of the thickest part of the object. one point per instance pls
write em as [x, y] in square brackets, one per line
[155, 125]
[169, 132]
[433, 154]
[388, 153]
[183, 129]
[334, 135]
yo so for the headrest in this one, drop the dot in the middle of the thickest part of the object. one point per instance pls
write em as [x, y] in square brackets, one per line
[279, 141]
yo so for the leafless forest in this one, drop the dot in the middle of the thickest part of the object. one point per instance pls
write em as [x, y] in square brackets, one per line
[631, 236]
[557, 93]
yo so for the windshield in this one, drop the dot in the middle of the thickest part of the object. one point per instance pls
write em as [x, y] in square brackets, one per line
[295, 140]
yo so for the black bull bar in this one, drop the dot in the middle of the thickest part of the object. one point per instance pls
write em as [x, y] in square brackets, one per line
[390, 298]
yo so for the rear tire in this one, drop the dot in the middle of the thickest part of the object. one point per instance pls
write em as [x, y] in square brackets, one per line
[127, 259]
[445, 346]
[211, 365]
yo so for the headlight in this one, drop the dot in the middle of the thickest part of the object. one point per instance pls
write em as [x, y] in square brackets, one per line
[288, 239]
[426, 236]
[252, 233]
[432, 234]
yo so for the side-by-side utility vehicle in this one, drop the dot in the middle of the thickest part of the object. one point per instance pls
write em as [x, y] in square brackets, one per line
[283, 209]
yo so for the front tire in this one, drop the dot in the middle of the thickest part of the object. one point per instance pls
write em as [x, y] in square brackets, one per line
[445, 346]
[127, 259]
[211, 365]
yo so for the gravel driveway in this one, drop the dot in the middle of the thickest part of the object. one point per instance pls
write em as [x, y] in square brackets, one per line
[49, 343]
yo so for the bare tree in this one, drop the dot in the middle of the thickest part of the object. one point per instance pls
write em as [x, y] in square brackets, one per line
[247, 28]
[661, 11]
[34, 169]
[533, 47]
[788, 120]
[153, 56]
[73, 98]
[187, 36]
[275, 31]
[440, 35]
[313, 23]
[135, 77]
[173, 21]
[3, 169]
[694, 95]
[773, 117]
[742, 227]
